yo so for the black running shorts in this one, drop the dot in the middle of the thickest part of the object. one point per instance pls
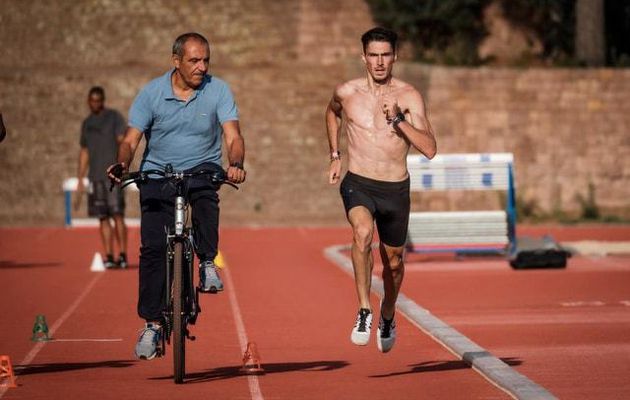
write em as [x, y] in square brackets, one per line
[388, 202]
[102, 203]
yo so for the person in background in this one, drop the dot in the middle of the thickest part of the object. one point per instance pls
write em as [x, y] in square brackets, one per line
[101, 132]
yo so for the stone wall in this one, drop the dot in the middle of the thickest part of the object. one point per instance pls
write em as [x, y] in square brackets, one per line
[567, 128]
[282, 58]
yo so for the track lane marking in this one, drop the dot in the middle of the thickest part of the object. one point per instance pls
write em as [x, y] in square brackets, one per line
[494, 370]
[40, 345]
[85, 340]
[252, 380]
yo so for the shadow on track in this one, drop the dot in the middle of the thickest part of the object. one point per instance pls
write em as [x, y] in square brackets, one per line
[438, 366]
[230, 372]
[34, 369]
[7, 264]
[117, 268]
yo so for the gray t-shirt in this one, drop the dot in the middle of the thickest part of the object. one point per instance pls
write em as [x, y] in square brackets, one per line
[98, 134]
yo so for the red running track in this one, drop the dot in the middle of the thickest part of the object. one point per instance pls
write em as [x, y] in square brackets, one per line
[299, 309]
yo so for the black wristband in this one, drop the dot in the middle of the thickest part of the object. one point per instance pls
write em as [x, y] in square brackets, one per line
[400, 117]
[237, 164]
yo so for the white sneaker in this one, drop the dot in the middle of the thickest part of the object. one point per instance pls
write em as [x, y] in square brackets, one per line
[209, 279]
[362, 327]
[385, 334]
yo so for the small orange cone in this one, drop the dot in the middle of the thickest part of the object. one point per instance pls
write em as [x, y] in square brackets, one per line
[7, 377]
[219, 261]
[251, 360]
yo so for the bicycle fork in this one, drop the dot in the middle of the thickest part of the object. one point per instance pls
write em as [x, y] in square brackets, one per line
[184, 235]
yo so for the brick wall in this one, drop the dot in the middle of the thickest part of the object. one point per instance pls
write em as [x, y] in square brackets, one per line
[567, 128]
[282, 59]
[54, 51]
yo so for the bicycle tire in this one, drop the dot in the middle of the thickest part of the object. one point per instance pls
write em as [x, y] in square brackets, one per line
[179, 322]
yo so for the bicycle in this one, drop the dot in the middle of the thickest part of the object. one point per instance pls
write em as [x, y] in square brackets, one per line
[182, 297]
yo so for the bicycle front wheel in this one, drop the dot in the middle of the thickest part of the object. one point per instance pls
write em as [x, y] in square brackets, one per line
[179, 322]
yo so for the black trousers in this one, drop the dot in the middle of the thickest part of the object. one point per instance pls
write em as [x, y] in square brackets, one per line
[157, 203]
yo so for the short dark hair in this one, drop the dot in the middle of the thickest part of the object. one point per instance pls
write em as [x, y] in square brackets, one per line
[178, 45]
[98, 91]
[379, 34]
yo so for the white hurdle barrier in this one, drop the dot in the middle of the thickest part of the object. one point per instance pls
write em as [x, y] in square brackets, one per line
[462, 231]
[69, 186]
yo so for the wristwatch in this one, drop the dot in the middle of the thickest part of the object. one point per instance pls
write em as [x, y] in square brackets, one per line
[237, 164]
[400, 117]
[335, 155]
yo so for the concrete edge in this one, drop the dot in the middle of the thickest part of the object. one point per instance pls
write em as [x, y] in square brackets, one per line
[490, 367]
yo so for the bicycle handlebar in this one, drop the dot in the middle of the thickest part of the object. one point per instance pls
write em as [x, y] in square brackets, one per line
[217, 177]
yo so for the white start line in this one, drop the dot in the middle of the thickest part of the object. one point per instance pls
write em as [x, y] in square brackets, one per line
[593, 303]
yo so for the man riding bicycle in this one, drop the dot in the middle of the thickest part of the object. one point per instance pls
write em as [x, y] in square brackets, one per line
[184, 115]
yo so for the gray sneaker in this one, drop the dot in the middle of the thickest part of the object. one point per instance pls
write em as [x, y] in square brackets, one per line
[148, 341]
[209, 280]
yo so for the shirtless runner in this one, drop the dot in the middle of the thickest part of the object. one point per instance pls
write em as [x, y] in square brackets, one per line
[383, 116]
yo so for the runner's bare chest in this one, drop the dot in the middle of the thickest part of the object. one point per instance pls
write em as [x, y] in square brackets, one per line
[364, 116]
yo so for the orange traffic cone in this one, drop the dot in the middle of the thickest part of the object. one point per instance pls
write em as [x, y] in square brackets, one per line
[251, 360]
[7, 377]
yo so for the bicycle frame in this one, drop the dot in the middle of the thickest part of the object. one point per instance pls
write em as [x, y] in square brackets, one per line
[180, 233]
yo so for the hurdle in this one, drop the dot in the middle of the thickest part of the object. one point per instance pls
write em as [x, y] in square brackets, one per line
[69, 186]
[462, 232]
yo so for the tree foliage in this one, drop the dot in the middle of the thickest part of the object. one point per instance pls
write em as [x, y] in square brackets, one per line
[552, 20]
[450, 31]
[440, 31]
[617, 32]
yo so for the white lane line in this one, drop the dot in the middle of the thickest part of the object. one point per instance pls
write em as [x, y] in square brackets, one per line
[595, 303]
[487, 365]
[51, 331]
[85, 340]
[252, 380]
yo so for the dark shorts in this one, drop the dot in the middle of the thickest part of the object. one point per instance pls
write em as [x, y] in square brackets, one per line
[388, 202]
[102, 203]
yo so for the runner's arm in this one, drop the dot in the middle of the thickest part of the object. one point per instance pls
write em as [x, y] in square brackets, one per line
[417, 128]
[333, 126]
[236, 151]
[333, 116]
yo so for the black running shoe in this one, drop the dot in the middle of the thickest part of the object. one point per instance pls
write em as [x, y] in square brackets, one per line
[122, 261]
[109, 262]
[386, 334]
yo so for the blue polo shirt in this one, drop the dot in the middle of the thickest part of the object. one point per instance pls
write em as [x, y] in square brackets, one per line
[182, 133]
